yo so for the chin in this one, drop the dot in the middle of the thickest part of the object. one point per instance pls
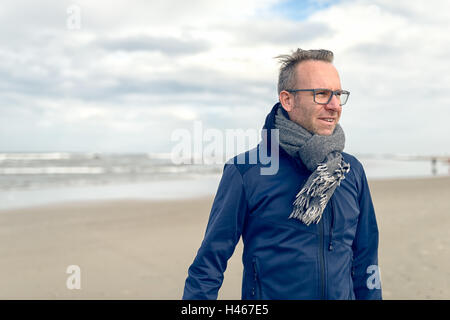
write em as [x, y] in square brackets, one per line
[325, 132]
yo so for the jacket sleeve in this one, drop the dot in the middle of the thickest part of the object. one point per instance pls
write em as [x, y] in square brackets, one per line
[223, 231]
[365, 270]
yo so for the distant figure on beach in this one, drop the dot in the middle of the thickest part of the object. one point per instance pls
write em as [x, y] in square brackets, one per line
[308, 228]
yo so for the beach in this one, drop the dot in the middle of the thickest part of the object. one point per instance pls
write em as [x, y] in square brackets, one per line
[141, 249]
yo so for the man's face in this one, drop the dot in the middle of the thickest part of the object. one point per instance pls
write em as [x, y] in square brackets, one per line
[316, 117]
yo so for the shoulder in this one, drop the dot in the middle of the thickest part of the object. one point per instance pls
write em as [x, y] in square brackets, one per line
[256, 162]
[358, 175]
[245, 161]
[355, 165]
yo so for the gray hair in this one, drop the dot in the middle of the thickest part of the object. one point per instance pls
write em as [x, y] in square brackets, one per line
[286, 78]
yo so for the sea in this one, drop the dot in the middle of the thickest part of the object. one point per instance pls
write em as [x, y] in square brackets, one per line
[41, 178]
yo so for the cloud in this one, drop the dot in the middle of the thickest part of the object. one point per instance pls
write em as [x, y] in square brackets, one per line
[275, 31]
[391, 65]
[138, 69]
[166, 45]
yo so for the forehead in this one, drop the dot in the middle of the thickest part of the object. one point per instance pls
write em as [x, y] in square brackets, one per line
[317, 74]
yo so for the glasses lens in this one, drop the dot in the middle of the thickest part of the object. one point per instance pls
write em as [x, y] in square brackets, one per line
[343, 98]
[322, 96]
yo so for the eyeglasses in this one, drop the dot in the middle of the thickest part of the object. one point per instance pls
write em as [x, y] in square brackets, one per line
[324, 96]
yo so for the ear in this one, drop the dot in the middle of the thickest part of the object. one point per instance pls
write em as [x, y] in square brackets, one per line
[286, 100]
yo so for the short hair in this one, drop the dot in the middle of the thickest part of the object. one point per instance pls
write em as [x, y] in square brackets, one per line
[287, 78]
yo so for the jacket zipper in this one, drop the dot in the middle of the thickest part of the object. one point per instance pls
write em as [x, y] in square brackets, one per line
[330, 244]
[321, 249]
[322, 259]
[351, 279]
[257, 287]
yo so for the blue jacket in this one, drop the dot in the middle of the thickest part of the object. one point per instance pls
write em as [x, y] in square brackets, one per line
[284, 258]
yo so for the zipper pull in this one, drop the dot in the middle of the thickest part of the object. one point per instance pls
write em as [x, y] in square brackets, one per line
[330, 246]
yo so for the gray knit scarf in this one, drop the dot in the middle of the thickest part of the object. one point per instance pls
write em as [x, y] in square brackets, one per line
[321, 155]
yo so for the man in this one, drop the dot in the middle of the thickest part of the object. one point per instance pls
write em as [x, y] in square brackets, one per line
[309, 229]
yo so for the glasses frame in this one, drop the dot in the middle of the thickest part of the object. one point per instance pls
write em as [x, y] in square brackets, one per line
[333, 93]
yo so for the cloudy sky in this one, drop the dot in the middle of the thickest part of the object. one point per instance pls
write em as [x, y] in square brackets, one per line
[121, 76]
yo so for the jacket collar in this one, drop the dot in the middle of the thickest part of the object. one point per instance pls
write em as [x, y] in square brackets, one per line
[270, 124]
[270, 119]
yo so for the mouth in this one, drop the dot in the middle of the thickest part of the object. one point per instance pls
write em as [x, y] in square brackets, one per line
[328, 121]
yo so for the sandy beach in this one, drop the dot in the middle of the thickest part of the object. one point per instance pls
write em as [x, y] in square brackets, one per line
[132, 249]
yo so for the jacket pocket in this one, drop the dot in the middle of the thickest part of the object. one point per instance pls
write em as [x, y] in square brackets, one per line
[256, 288]
[350, 280]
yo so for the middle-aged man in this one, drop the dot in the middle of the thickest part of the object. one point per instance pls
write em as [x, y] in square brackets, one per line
[309, 228]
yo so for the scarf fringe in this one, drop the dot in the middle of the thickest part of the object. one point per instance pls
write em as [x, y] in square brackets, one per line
[312, 199]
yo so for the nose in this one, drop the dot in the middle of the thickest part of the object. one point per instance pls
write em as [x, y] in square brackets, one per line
[334, 104]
